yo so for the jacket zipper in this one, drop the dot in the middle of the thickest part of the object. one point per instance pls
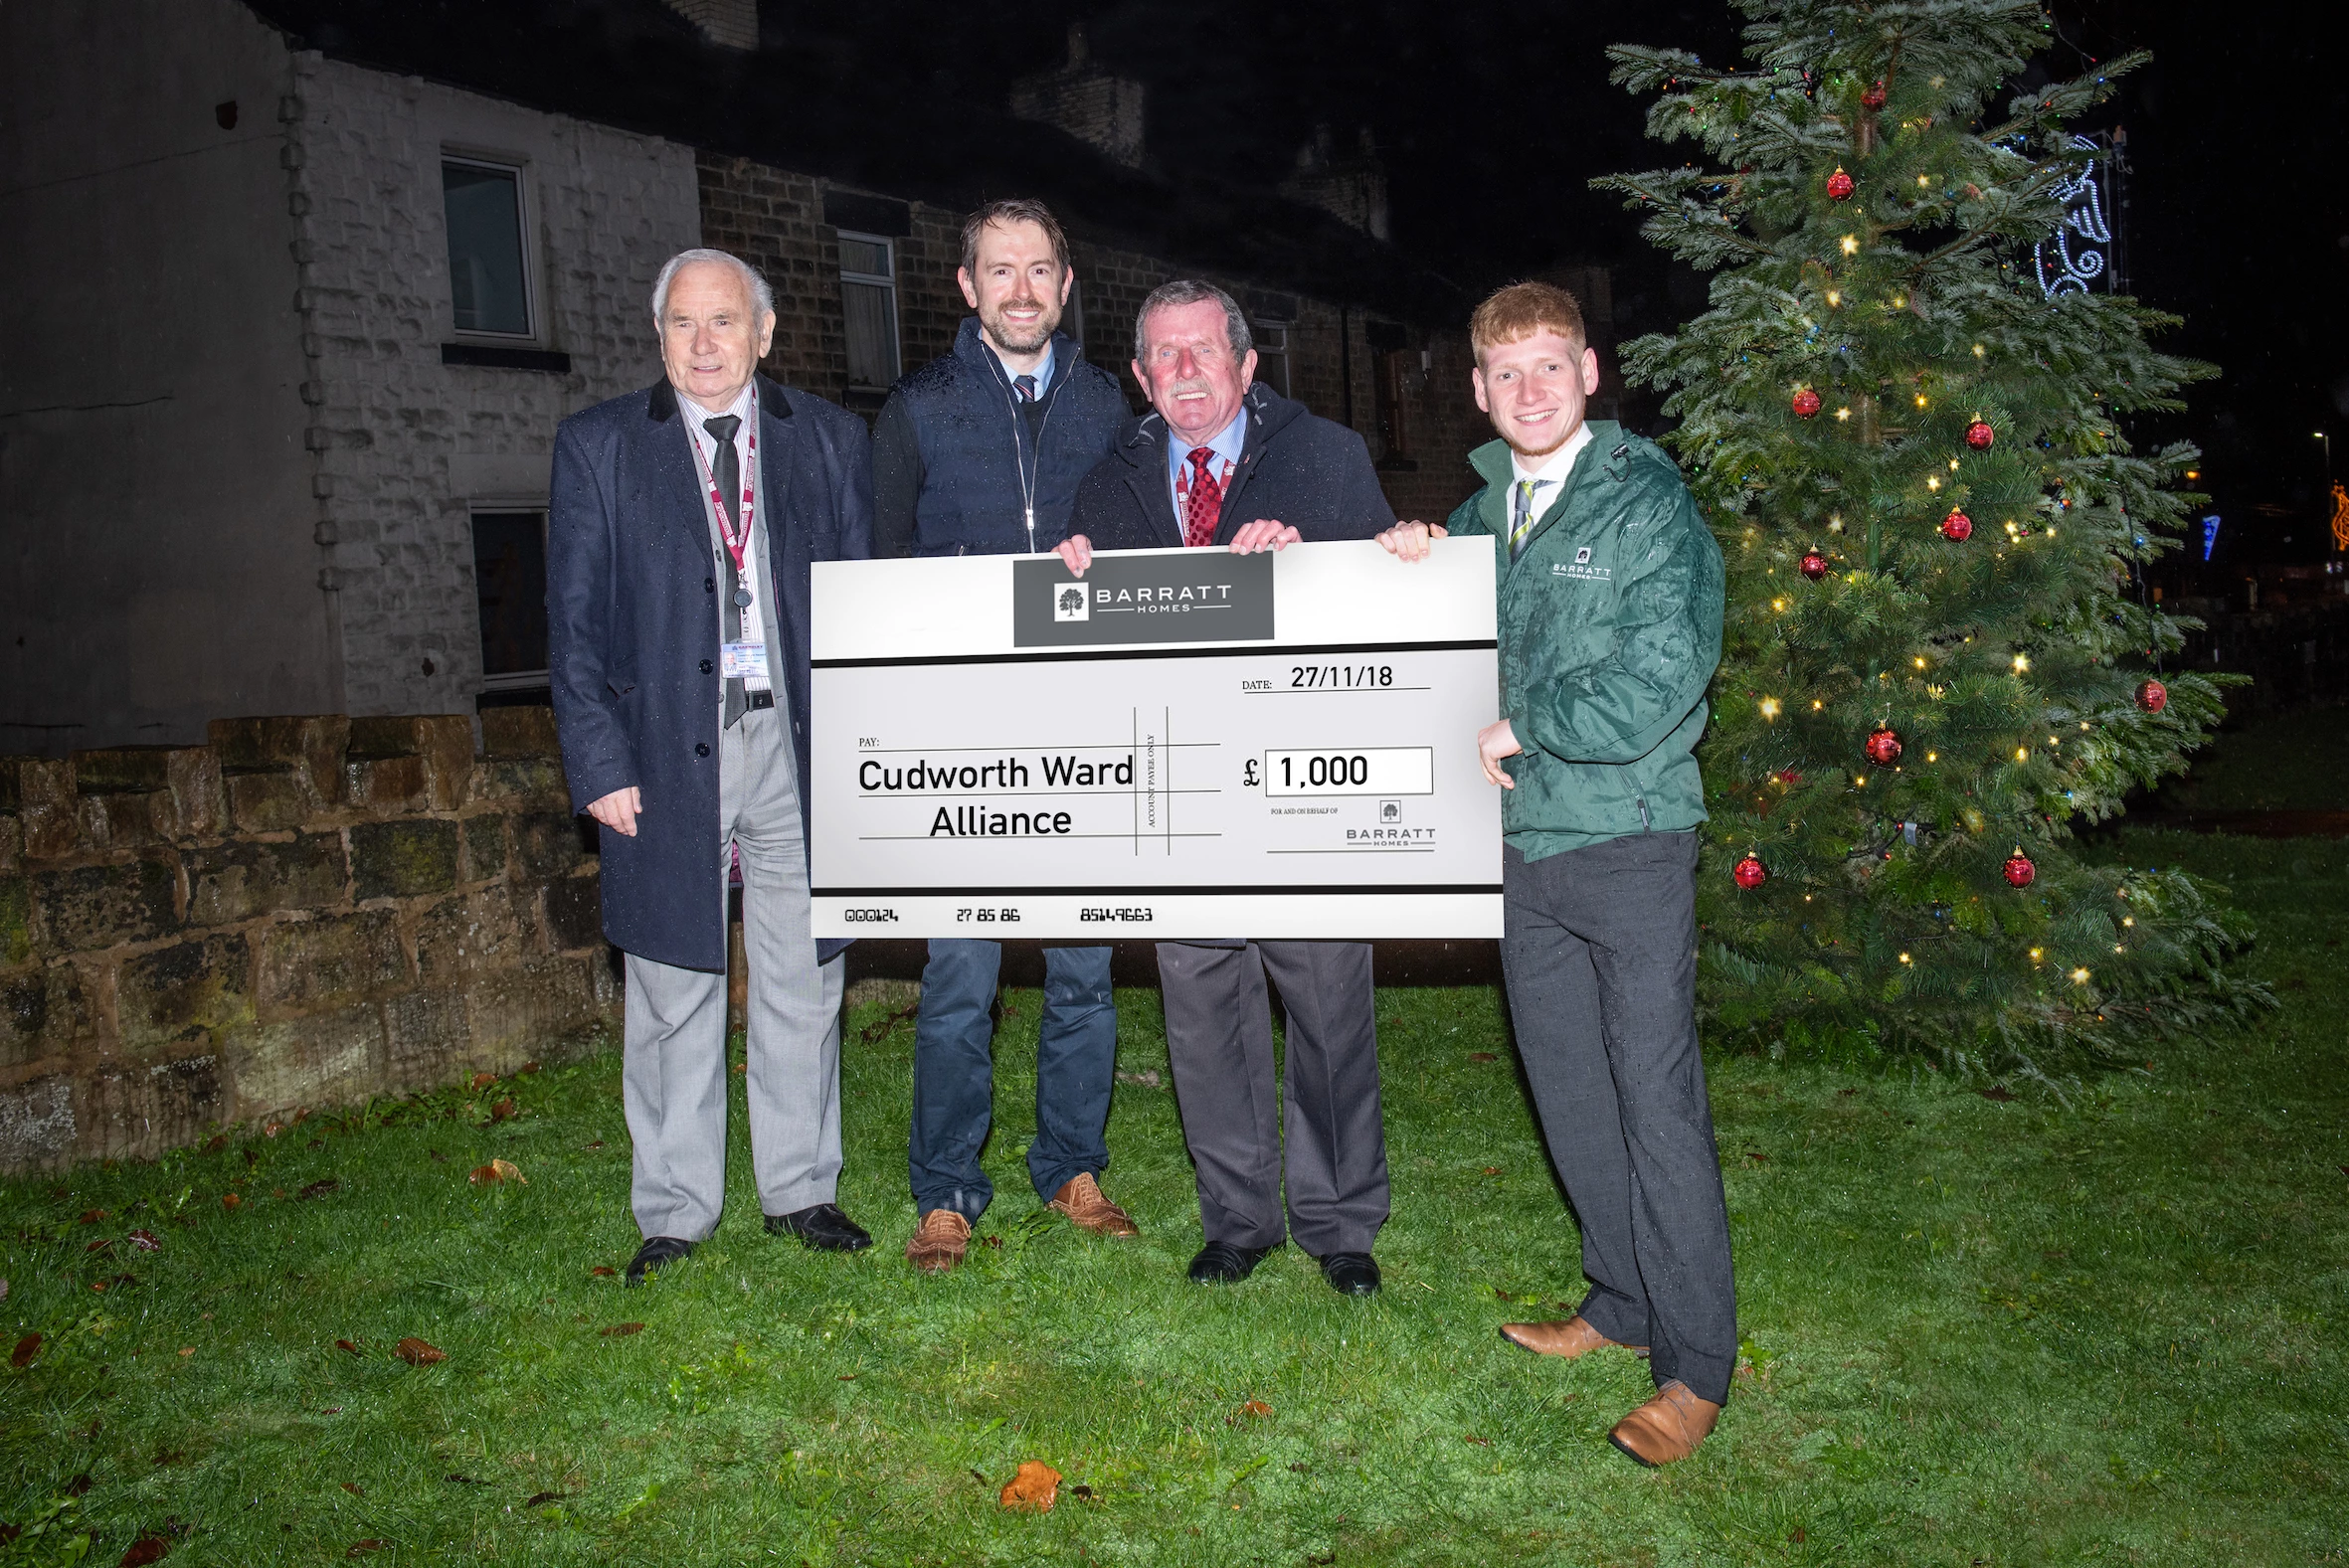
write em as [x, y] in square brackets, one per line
[1645, 825]
[1027, 484]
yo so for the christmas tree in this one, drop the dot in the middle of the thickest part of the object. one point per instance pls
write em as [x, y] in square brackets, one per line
[1938, 658]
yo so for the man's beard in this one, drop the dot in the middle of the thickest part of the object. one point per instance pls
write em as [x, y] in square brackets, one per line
[1011, 341]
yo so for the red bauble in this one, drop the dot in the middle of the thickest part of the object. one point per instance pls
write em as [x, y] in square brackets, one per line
[1884, 747]
[2019, 869]
[1957, 524]
[1873, 97]
[1814, 564]
[1750, 873]
[1979, 435]
[2153, 696]
[1806, 402]
[1839, 186]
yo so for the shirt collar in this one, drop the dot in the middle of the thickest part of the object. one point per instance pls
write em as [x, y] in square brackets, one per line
[744, 401]
[1557, 464]
[1227, 444]
[1042, 372]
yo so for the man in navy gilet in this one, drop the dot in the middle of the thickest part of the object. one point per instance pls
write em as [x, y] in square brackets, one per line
[980, 452]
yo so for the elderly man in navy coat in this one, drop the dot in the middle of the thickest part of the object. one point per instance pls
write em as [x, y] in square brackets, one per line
[684, 519]
[1225, 462]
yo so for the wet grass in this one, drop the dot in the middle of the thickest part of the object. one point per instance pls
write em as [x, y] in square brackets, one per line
[1979, 1331]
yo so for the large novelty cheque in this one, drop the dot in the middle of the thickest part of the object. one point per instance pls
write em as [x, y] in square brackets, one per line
[1180, 743]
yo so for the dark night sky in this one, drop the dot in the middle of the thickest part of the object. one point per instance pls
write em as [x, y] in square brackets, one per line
[1492, 117]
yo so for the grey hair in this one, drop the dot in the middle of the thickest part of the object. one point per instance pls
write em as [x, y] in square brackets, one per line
[1189, 291]
[761, 295]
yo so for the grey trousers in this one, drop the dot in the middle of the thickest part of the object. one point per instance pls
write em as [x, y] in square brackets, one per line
[673, 1072]
[1599, 949]
[1219, 1044]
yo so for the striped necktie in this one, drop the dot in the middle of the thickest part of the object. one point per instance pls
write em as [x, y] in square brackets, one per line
[1520, 523]
[1026, 386]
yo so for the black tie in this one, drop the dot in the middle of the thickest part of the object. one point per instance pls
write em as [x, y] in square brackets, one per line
[727, 466]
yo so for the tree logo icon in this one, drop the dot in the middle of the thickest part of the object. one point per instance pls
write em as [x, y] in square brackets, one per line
[1070, 602]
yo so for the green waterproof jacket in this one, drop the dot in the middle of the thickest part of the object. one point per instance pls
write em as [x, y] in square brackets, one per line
[1610, 627]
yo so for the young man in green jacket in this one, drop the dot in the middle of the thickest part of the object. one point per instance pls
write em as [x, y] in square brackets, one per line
[1610, 618]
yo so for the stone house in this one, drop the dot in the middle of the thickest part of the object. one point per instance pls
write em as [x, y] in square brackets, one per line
[298, 289]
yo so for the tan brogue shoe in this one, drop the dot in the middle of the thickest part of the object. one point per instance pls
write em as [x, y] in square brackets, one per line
[1667, 1427]
[939, 1242]
[1570, 1340]
[1081, 1199]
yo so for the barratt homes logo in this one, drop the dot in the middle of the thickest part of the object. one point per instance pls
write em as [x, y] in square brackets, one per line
[1143, 597]
[1581, 570]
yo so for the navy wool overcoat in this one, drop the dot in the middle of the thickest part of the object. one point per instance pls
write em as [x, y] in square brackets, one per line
[633, 633]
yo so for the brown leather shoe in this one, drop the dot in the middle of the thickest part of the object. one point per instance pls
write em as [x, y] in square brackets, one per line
[1570, 1340]
[939, 1242]
[1667, 1427]
[1080, 1198]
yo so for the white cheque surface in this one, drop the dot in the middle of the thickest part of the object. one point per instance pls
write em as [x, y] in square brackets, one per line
[1183, 744]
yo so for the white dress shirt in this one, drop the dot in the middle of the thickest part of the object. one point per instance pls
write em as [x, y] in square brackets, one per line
[745, 408]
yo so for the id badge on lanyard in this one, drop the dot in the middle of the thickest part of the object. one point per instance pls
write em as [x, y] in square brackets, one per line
[739, 660]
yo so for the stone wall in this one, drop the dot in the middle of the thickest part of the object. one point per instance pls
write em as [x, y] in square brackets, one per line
[302, 912]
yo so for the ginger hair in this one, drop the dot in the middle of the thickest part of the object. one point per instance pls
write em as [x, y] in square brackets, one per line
[1522, 309]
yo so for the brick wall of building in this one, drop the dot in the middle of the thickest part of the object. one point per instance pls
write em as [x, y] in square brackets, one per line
[775, 219]
[301, 913]
[404, 444]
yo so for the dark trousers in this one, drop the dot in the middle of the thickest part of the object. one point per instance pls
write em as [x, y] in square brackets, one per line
[954, 1073]
[1219, 1044]
[1599, 949]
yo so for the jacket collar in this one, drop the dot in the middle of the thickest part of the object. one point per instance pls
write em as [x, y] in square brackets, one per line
[971, 345]
[660, 400]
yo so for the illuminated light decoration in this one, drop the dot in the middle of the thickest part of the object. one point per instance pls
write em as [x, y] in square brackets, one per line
[2153, 696]
[1920, 661]
[1843, 413]
[2038, 954]
[2022, 753]
[2019, 871]
[1816, 705]
[1750, 873]
[1851, 244]
[1834, 297]
[1979, 351]
[2076, 256]
[1814, 564]
[1979, 435]
[1921, 400]
[1904, 957]
[1933, 481]
[1933, 757]
[2340, 517]
[1778, 604]
[2210, 535]
[2022, 663]
[1959, 526]
[2079, 976]
[1884, 746]
[1806, 403]
[1839, 186]
[1769, 708]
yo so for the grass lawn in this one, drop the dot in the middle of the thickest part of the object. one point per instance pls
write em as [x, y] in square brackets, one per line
[2283, 762]
[1981, 1331]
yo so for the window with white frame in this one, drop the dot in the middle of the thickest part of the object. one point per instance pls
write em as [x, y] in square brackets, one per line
[488, 260]
[869, 300]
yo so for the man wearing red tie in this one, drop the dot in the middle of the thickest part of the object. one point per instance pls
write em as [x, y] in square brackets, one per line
[1221, 462]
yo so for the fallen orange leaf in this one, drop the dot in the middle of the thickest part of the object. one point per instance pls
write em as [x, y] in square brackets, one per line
[352, 1487]
[230, 1201]
[481, 1081]
[362, 1548]
[146, 1549]
[26, 1348]
[1482, 1056]
[601, 1270]
[621, 1330]
[502, 1110]
[187, 1349]
[1255, 1407]
[146, 1241]
[416, 1352]
[497, 1170]
[346, 1346]
[92, 1216]
[1034, 1487]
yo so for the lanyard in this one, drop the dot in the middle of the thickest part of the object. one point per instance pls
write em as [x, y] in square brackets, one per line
[737, 545]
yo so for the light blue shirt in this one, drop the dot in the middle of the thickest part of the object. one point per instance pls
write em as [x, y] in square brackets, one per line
[1042, 372]
[1226, 446]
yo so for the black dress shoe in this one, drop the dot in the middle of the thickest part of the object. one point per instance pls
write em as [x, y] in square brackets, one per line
[1351, 1273]
[1221, 1263]
[822, 1227]
[657, 1253]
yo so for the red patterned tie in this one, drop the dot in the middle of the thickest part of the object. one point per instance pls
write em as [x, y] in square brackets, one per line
[1204, 505]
